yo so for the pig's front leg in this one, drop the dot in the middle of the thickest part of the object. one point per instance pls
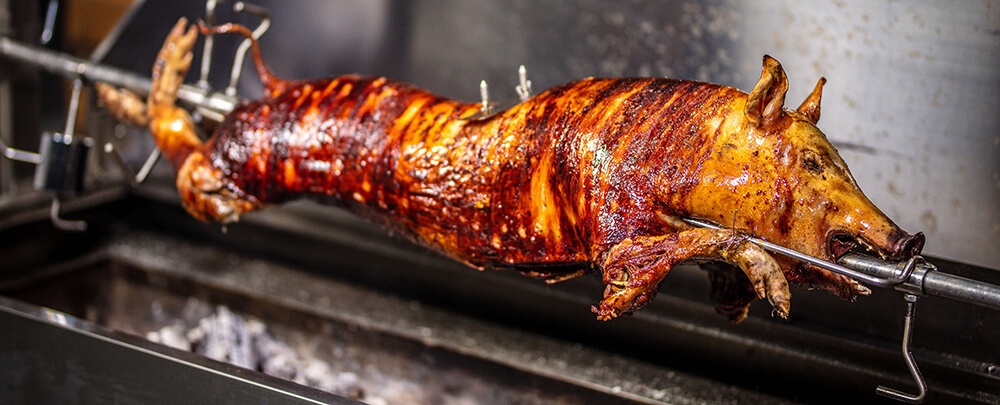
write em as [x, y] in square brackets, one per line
[634, 268]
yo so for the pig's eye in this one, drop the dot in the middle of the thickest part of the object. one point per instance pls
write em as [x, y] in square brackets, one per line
[812, 162]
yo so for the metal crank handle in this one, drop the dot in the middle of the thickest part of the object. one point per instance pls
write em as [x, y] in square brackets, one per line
[911, 302]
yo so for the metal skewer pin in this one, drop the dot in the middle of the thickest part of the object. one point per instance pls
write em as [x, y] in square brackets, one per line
[523, 88]
[488, 108]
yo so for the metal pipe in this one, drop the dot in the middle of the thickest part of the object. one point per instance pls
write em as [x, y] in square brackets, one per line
[962, 289]
[872, 266]
[72, 67]
[925, 279]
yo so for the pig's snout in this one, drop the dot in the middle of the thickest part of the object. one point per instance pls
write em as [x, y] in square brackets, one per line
[908, 246]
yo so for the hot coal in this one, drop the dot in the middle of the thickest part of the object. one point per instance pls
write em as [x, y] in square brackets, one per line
[245, 341]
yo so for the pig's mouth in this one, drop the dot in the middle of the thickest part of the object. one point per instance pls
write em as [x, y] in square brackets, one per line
[840, 243]
[907, 246]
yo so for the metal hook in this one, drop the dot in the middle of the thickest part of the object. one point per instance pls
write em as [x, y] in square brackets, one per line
[241, 52]
[19, 155]
[66, 225]
[911, 301]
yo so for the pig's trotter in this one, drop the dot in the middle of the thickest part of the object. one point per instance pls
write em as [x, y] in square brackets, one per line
[124, 105]
[763, 272]
[634, 268]
[632, 271]
[172, 63]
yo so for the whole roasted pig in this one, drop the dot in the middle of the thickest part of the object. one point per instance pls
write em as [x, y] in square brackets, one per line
[590, 176]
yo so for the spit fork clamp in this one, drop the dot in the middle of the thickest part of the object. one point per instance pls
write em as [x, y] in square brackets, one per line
[914, 278]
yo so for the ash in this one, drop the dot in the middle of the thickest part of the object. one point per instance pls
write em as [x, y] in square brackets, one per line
[246, 342]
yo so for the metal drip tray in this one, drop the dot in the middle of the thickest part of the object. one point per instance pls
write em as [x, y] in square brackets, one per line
[345, 340]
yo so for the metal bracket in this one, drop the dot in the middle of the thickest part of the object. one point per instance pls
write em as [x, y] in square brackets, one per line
[60, 165]
[215, 110]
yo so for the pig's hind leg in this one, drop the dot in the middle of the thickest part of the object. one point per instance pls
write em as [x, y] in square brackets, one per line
[634, 268]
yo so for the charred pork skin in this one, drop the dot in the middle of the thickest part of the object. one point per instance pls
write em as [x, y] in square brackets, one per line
[590, 176]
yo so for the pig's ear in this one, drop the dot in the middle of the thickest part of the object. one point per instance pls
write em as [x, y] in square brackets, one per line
[765, 103]
[810, 107]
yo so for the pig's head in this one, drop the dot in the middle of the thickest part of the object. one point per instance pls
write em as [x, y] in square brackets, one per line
[775, 175]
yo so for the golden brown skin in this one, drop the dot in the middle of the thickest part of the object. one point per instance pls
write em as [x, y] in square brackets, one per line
[593, 175]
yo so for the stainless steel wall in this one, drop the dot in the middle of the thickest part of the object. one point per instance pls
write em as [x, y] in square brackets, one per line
[912, 102]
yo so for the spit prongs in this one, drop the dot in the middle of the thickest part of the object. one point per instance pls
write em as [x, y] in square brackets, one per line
[911, 302]
[206, 52]
[241, 52]
[74, 107]
[48, 27]
[523, 88]
[133, 179]
[66, 225]
[484, 94]
[147, 166]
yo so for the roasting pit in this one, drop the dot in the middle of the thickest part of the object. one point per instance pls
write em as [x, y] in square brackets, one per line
[359, 343]
[499, 337]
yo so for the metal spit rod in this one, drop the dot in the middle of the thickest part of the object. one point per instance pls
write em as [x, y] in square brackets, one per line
[926, 280]
[216, 104]
[914, 276]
